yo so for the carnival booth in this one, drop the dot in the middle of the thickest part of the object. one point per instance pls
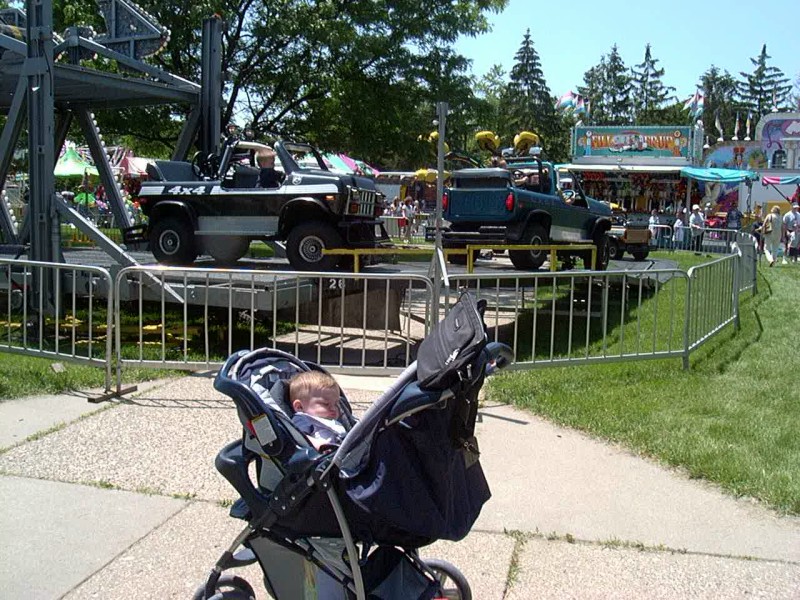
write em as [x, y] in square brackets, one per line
[637, 168]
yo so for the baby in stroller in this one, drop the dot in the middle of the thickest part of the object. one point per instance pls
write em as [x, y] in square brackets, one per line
[347, 522]
[315, 401]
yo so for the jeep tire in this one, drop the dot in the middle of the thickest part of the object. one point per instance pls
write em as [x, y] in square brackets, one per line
[226, 249]
[603, 254]
[640, 254]
[615, 250]
[530, 260]
[172, 241]
[305, 243]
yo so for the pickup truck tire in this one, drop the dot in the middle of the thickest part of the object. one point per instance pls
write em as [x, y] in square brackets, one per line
[172, 241]
[226, 249]
[525, 260]
[615, 252]
[603, 255]
[640, 254]
[305, 243]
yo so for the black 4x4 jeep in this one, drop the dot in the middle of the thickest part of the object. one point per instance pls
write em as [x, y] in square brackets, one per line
[214, 206]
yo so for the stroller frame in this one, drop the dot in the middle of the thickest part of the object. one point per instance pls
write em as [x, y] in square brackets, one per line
[308, 472]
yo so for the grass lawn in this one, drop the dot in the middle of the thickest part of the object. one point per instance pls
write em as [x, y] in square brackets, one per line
[733, 418]
[28, 375]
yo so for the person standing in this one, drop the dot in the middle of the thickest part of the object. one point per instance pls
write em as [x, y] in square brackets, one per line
[791, 230]
[653, 226]
[733, 220]
[678, 230]
[697, 225]
[407, 218]
[771, 234]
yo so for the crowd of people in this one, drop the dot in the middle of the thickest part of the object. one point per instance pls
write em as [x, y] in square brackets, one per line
[406, 212]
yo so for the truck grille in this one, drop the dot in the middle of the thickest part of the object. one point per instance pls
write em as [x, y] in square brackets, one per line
[361, 203]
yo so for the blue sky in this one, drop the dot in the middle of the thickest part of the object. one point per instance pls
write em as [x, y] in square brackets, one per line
[687, 37]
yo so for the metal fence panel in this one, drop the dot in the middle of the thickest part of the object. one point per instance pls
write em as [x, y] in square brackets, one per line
[74, 325]
[343, 321]
[579, 317]
[713, 298]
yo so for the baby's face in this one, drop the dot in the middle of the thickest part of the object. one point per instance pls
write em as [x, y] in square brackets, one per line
[321, 403]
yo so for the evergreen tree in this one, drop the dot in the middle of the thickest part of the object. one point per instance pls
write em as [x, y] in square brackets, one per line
[719, 91]
[650, 94]
[617, 90]
[765, 88]
[491, 92]
[592, 91]
[529, 101]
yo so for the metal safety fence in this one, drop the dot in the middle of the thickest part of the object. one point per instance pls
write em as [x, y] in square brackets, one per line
[565, 318]
[194, 318]
[57, 311]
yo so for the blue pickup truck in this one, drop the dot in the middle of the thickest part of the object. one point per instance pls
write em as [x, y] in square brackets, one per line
[524, 202]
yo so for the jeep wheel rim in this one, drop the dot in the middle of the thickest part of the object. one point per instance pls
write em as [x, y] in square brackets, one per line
[169, 241]
[536, 241]
[310, 249]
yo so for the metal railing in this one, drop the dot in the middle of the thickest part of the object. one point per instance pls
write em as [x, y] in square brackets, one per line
[713, 299]
[67, 324]
[413, 234]
[342, 321]
[193, 318]
[564, 318]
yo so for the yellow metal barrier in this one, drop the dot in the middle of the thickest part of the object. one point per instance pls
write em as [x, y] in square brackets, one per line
[553, 249]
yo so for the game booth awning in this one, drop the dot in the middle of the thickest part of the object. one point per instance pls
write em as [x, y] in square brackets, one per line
[784, 180]
[718, 175]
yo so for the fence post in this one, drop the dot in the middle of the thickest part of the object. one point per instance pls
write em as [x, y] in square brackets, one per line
[688, 309]
[736, 277]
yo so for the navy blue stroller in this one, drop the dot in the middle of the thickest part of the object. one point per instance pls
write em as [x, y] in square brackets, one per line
[347, 523]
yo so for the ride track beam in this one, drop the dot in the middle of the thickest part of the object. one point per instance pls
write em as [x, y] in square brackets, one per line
[76, 41]
[90, 131]
[8, 141]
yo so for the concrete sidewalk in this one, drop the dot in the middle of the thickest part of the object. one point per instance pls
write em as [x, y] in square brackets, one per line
[125, 502]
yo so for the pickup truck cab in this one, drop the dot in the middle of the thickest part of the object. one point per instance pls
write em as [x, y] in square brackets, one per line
[215, 206]
[524, 203]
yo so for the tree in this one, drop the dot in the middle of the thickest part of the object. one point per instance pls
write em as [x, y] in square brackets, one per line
[649, 92]
[315, 69]
[593, 92]
[617, 93]
[765, 88]
[530, 104]
[720, 99]
[491, 91]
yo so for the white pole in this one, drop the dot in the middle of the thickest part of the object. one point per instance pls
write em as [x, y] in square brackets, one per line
[441, 116]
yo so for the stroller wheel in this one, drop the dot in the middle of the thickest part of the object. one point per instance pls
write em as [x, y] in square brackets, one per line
[454, 585]
[229, 587]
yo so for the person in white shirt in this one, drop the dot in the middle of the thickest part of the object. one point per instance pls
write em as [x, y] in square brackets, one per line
[791, 232]
[678, 230]
[407, 220]
[653, 226]
[697, 225]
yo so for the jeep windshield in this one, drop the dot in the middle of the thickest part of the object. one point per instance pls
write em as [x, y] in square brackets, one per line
[305, 156]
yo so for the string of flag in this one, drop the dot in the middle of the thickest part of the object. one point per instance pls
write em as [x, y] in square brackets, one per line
[573, 102]
[694, 104]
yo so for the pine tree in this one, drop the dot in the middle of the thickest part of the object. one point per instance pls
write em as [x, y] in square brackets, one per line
[719, 92]
[617, 92]
[765, 88]
[592, 91]
[529, 101]
[649, 93]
